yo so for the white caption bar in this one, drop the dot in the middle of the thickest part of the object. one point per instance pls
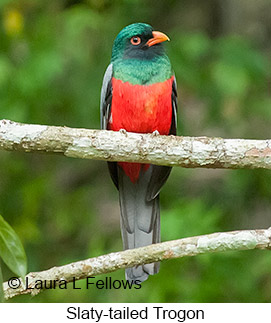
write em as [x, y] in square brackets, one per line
[134, 312]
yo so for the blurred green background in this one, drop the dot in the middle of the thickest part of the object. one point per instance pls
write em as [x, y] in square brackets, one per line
[52, 58]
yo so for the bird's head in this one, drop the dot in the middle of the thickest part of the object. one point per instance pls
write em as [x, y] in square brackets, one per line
[138, 41]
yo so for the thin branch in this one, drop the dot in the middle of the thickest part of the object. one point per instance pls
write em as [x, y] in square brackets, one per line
[216, 242]
[131, 147]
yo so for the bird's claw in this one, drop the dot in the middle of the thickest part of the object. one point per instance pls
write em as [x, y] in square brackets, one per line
[155, 133]
[123, 131]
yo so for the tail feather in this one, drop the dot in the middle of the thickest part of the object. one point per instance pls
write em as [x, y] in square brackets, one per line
[140, 220]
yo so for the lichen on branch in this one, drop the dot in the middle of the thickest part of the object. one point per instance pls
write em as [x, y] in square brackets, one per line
[215, 242]
[133, 147]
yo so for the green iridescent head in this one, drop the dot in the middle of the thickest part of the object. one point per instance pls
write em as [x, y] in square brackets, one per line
[138, 41]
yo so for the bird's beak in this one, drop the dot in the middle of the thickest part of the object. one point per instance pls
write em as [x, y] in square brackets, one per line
[158, 37]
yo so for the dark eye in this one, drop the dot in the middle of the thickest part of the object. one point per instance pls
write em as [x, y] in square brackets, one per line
[135, 40]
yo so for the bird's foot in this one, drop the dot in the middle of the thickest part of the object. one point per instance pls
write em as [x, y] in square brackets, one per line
[123, 131]
[155, 133]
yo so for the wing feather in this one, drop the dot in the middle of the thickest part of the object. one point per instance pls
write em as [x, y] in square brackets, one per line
[105, 111]
[160, 174]
[106, 97]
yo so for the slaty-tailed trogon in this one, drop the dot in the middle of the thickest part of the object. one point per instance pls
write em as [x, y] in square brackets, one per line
[139, 95]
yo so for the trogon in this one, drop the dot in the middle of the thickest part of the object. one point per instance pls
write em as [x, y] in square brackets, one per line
[139, 95]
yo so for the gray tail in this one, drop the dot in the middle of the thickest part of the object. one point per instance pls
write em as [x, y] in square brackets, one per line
[140, 220]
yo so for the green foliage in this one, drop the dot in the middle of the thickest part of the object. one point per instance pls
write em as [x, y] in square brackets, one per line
[11, 252]
[52, 61]
[184, 214]
[11, 249]
[2, 298]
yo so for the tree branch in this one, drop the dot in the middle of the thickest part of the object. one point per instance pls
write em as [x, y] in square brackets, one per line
[216, 242]
[141, 148]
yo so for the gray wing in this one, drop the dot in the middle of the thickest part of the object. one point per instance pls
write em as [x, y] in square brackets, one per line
[173, 129]
[160, 174]
[105, 111]
[106, 97]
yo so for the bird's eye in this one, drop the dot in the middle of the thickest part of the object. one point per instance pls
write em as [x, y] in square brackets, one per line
[135, 40]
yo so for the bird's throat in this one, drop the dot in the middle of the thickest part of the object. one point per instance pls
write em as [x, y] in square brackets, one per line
[143, 72]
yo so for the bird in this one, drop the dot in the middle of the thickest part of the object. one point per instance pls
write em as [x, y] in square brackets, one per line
[139, 94]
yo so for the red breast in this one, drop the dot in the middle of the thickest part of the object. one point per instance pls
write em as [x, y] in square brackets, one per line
[141, 109]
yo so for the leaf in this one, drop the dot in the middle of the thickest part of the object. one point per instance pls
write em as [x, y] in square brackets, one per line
[11, 249]
[2, 298]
